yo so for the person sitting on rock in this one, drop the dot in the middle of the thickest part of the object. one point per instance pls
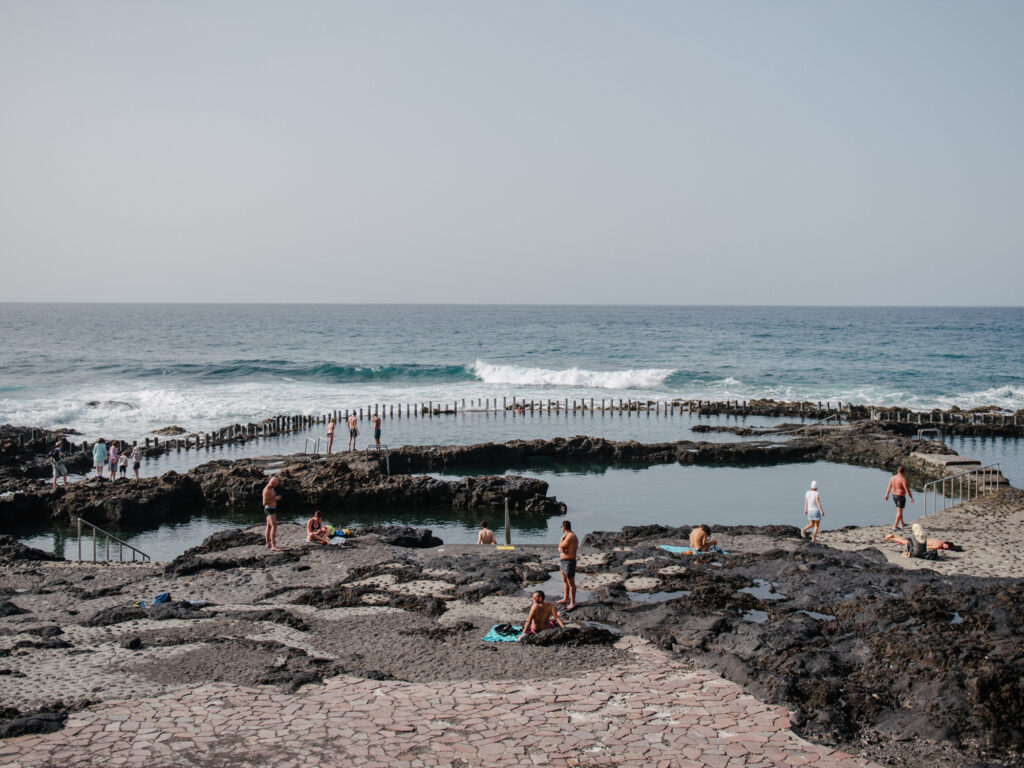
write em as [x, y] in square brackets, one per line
[316, 531]
[486, 535]
[543, 615]
[699, 541]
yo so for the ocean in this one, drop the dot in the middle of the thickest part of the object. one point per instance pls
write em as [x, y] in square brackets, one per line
[122, 370]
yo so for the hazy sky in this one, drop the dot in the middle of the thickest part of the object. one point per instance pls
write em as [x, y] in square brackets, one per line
[596, 152]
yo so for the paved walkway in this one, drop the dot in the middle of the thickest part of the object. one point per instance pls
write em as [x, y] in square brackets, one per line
[653, 712]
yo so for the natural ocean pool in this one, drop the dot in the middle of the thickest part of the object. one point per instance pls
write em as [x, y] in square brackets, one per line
[598, 500]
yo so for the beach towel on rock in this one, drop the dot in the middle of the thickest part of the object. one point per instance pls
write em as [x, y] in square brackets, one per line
[687, 551]
[509, 634]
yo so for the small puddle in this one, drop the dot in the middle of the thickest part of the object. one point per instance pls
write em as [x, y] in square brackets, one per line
[656, 597]
[598, 625]
[819, 616]
[757, 617]
[763, 590]
[553, 589]
[957, 618]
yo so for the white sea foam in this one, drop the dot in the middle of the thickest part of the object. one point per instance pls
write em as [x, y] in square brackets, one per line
[515, 375]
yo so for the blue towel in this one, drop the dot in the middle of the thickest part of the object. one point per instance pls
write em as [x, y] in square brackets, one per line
[494, 637]
[687, 551]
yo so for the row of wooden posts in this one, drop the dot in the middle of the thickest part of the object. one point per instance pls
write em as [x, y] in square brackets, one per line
[300, 422]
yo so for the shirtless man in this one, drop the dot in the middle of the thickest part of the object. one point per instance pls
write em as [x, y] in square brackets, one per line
[542, 616]
[270, 499]
[353, 431]
[699, 539]
[486, 535]
[567, 547]
[330, 436]
[931, 543]
[900, 490]
[376, 429]
[316, 531]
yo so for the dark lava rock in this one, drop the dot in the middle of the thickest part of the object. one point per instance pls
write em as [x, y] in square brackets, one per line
[857, 647]
[41, 722]
[49, 630]
[131, 642]
[146, 500]
[571, 636]
[11, 550]
[272, 615]
[340, 596]
[404, 536]
[186, 564]
[224, 540]
[7, 608]
[635, 534]
[121, 613]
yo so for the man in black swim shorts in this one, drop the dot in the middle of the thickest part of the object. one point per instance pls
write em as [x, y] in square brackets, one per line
[567, 547]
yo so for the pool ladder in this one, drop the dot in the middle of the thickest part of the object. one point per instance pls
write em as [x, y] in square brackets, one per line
[109, 537]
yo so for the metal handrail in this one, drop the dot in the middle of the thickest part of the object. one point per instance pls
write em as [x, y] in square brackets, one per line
[121, 544]
[986, 480]
[316, 445]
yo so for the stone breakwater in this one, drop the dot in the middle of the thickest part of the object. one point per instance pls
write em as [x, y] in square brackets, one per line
[911, 667]
[371, 481]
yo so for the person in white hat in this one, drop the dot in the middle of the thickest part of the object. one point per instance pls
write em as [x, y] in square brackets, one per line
[813, 511]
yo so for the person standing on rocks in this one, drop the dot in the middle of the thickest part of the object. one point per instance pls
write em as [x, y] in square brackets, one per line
[136, 460]
[270, 499]
[376, 429]
[112, 457]
[899, 489]
[60, 469]
[567, 547]
[813, 511]
[330, 436]
[353, 431]
[486, 535]
[99, 457]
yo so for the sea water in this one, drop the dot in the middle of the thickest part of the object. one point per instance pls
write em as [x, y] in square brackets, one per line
[122, 370]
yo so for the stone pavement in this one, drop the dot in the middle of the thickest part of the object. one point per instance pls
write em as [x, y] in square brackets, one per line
[655, 711]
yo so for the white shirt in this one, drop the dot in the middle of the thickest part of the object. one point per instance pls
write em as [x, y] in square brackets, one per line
[812, 501]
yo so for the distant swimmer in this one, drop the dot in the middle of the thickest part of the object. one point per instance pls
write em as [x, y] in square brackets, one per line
[353, 431]
[813, 511]
[567, 547]
[486, 535]
[376, 429]
[900, 491]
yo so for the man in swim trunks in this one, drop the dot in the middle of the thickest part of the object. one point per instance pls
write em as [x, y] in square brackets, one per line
[270, 499]
[376, 429]
[567, 547]
[900, 490]
[353, 430]
[699, 539]
[542, 616]
[486, 535]
[316, 531]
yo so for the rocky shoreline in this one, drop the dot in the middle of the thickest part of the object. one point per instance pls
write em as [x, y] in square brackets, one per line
[911, 666]
[370, 480]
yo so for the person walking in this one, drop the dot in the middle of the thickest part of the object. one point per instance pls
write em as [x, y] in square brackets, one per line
[813, 511]
[899, 489]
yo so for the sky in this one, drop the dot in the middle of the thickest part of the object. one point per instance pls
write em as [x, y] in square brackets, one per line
[857, 153]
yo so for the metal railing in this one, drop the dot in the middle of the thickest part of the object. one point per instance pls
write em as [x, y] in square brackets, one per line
[316, 445]
[110, 537]
[963, 486]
